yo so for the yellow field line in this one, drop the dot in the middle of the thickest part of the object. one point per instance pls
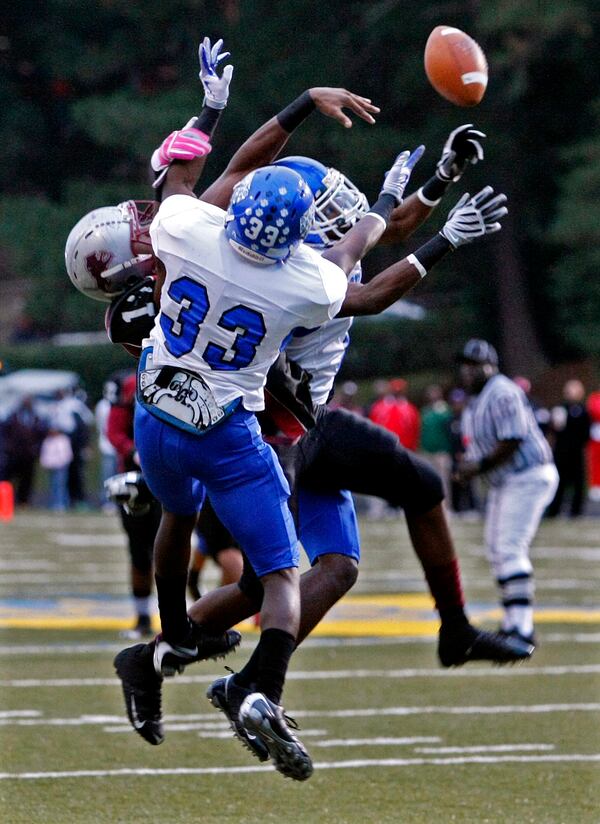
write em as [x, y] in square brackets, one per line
[344, 628]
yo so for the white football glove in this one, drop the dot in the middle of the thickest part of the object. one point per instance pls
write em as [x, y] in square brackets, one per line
[474, 217]
[399, 175]
[216, 89]
[462, 147]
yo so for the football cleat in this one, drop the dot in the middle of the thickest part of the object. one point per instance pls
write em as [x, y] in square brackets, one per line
[170, 659]
[261, 717]
[513, 632]
[142, 691]
[227, 696]
[458, 645]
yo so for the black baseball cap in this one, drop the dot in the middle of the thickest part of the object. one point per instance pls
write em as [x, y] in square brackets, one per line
[478, 351]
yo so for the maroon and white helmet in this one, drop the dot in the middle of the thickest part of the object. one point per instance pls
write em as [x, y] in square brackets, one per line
[109, 249]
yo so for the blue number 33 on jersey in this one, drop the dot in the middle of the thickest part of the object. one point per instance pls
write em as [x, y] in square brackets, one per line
[182, 332]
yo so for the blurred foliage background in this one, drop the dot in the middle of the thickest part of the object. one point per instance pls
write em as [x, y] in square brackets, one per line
[90, 88]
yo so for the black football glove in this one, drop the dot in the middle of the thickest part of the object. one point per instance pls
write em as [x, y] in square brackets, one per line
[462, 147]
[130, 490]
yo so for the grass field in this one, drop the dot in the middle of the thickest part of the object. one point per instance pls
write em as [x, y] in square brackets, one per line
[394, 737]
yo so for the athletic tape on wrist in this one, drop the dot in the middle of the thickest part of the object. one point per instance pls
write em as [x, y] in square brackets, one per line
[383, 207]
[428, 255]
[432, 191]
[418, 265]
[425, 201]
[294, 114]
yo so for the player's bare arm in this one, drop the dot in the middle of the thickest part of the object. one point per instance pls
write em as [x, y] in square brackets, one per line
[472, 217]
[160, 274]
[364, 235]
[462, 148]
[266, 143]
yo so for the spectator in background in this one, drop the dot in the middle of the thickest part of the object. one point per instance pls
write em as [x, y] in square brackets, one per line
[23, 433]
[593, 408]
[55, 456]
[72, 416]
[379, 389]
[540, 413]
[570, 425]
[436, 444]
[345, 398]
[108, 454]
[397, 414]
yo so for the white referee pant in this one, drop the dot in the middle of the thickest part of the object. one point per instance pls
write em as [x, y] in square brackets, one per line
[513, 513]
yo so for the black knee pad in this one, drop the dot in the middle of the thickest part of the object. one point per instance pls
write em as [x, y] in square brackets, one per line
[141, 531]
[419, 485]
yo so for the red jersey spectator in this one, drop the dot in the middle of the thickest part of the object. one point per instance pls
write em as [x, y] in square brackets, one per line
[593, 408]
[395, 412]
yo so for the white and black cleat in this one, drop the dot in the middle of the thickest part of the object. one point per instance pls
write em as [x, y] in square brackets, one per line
[227, 696]
[170, 659]
[142, 691]
[261, 717]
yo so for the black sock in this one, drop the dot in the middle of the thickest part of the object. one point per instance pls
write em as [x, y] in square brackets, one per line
[453, 617]
[173, 609]
[275, 650]
[247, 676]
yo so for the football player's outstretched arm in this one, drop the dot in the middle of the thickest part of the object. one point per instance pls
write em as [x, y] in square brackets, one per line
[462, 147]
[179, 160]
[266, 143]
[365, 234]
[471, 218]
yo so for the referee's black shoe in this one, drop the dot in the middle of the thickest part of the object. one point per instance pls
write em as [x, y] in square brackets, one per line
[458, 645]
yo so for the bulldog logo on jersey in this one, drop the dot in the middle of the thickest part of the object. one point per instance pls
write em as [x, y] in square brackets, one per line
[179, 396]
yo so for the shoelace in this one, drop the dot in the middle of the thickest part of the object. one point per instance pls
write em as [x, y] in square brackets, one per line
[291, 722]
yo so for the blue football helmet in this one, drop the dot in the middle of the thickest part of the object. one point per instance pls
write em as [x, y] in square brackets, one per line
[339, 204]
[270, 213]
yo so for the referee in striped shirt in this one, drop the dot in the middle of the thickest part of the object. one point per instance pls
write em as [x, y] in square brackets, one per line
[505, 445]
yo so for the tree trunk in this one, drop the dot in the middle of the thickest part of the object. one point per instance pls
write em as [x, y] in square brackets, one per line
[520, 348]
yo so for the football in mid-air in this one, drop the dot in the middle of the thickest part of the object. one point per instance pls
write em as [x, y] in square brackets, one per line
[456, 66]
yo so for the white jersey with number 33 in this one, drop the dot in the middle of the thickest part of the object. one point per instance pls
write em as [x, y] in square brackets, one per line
[223, 316]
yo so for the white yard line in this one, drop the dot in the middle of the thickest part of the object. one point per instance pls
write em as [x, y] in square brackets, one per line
[324, 765]
[375, 742]
[484, 748]
[365, 712]
[326, 675]
[10, 714]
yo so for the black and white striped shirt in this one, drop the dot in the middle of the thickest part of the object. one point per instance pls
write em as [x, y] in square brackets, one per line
[501, 412]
